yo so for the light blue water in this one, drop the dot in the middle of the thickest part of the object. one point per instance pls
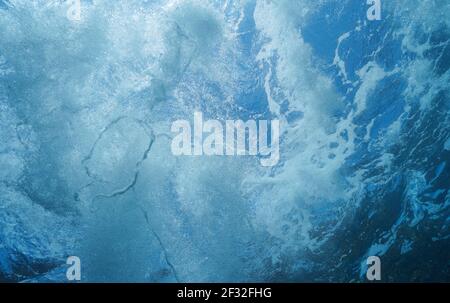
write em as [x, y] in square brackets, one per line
[85, 161]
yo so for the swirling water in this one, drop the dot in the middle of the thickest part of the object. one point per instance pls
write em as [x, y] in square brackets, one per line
[86, 167]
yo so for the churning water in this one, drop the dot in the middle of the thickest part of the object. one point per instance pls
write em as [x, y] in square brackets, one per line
[86, 167]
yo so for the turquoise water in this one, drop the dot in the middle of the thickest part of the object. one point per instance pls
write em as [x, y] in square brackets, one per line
[86, 167]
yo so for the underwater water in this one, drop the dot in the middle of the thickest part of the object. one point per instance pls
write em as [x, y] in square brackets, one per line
[86, 167]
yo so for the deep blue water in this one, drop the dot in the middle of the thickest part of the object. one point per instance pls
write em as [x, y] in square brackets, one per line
[86, 167]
